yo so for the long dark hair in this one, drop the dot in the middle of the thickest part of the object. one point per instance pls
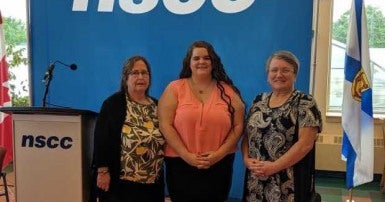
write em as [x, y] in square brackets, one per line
[218, 73]
[127, 68]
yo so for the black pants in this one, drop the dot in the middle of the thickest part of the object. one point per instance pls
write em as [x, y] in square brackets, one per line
[186, 183]
[127, 191]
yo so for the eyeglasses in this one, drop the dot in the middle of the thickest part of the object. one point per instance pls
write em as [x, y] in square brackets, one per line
[137, 73]
[283, 71]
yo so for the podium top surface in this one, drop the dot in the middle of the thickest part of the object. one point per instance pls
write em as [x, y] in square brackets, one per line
[46, 110]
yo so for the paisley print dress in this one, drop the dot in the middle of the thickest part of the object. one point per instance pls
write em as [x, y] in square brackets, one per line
[271, 132]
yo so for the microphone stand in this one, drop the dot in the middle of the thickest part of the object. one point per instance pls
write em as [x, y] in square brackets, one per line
[48, 77]
[47, 82]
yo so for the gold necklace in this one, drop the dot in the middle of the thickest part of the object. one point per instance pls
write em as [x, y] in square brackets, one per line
[204, 90]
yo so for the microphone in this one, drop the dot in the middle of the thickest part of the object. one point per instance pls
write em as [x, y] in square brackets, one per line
[48, 77]
[71, 66]
[48, 73]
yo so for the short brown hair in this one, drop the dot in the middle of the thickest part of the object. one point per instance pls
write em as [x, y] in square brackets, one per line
[287, 56]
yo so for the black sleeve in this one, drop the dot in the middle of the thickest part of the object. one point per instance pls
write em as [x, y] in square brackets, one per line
[102, 141]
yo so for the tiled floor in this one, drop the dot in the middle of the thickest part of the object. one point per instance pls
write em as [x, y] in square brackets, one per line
[11, 187]
[332, 189]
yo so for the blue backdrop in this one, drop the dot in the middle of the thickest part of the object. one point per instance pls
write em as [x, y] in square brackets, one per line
[100, 35]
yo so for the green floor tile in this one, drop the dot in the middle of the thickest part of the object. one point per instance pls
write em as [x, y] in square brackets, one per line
[333, 189]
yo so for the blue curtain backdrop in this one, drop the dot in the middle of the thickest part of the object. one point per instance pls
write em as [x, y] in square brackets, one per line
[99, 43]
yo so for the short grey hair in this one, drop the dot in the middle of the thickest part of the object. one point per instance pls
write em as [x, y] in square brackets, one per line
[287, 56]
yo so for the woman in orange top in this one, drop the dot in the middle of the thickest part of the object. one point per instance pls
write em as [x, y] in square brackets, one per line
[201, 117]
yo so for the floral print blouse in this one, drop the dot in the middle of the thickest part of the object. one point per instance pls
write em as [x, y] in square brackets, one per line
[142, 144]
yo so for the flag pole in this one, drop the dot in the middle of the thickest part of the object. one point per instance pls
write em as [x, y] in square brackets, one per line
[351, 195]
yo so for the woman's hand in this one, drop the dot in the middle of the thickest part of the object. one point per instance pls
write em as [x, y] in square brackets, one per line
[196, 160]
[207, 159]
[264, 168]
[103, 180]
[260, 168]
[202, 160]
[250, 163]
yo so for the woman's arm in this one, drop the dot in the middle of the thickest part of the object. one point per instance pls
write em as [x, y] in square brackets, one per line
[230, 143]
[166, 112]
[250, 163]
[102, 149]
[306, 139]
[245, 148]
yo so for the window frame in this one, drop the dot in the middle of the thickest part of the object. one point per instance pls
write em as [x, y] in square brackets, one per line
[321, 59]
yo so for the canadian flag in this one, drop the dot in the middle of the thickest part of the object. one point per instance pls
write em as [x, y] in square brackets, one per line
[5, 101]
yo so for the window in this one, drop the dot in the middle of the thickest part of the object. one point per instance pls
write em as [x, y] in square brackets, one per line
[14, 15]
[375, 12]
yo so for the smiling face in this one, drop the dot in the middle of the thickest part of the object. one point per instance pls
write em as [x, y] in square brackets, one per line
[281, 75]
[200, 62]
[138, 78]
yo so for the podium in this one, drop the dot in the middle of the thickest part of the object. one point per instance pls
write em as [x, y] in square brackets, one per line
[52, 153]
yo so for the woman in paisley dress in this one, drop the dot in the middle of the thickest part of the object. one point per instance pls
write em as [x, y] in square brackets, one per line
[280, 133]
[128, 151]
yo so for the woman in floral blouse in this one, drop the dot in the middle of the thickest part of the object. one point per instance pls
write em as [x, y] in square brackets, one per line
[128, 144]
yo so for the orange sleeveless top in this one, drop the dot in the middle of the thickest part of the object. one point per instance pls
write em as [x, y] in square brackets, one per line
[202, 127]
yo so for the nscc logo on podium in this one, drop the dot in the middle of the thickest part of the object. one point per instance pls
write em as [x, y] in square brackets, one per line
[41, 141]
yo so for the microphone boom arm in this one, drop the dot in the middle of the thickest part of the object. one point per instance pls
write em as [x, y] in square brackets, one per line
[48, 78]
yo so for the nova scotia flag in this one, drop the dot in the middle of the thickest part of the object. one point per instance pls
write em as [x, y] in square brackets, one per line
[357, 110]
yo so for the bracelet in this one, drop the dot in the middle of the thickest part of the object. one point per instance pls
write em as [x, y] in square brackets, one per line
[103, 172]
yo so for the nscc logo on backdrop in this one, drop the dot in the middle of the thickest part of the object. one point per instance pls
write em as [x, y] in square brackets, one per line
[180, 7]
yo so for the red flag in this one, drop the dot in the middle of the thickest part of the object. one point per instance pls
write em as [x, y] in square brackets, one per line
[5, 101]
